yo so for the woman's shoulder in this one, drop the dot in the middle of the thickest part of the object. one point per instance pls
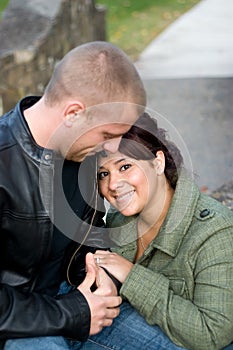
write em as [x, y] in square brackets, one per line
[208, 207]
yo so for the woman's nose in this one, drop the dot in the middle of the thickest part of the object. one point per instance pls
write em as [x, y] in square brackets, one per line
[115, 182]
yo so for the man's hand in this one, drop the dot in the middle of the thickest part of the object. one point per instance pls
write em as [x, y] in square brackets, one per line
[103, 302]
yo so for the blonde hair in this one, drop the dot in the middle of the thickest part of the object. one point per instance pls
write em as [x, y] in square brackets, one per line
[96, 72]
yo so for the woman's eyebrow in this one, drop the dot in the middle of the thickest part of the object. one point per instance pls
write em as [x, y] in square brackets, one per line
[116, 162]
[119, 160]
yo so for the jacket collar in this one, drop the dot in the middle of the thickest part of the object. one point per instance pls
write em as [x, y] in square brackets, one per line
[179, 216]
[22, 134]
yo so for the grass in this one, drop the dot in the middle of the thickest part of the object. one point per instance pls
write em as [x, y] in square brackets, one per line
[3, 5]
[133, 24]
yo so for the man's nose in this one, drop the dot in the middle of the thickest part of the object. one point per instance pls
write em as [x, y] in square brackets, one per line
[112, 145]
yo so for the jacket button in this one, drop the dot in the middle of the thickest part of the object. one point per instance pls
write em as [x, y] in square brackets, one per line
[47, 156]
[204, 213]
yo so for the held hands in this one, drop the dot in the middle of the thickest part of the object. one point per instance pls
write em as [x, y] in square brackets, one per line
[103, 302]
[118, 266]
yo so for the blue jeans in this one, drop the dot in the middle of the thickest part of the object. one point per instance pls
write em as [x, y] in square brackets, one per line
[129, 331]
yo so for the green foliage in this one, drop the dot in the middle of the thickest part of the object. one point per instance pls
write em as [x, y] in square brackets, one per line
[3, 4]
[133, 24]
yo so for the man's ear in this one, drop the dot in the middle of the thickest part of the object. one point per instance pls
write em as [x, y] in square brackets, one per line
[71, 112]
[159, 162]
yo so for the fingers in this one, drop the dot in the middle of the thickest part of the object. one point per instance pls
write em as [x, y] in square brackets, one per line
[90, 261]
[110, 315]
[113, 302]
[97, 260]
[103, 302]
[105, 318]
[103, 311]
[91, 275]
[104, 257]
[105, 322]
[116, 265]
[103, 252]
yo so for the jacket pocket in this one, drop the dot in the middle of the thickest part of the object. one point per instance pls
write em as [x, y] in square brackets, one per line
[178, 286]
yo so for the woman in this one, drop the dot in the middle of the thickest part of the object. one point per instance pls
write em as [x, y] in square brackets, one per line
[174, 245]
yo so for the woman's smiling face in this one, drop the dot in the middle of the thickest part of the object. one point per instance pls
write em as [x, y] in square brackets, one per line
[127, 184]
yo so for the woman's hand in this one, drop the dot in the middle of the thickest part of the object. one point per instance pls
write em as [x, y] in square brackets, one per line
[118, 266]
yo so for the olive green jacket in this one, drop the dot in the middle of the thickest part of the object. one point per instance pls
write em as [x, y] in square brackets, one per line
[184, 280]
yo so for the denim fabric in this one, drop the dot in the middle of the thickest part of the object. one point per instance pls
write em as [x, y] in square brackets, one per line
[229, 347]
[65, 288]
[129, 332]
[38, 343]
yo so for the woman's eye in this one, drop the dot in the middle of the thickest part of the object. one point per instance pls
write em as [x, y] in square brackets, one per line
[125, 167]
[102, 175]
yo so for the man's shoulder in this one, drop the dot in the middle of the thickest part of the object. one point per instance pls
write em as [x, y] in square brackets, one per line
[6, 138]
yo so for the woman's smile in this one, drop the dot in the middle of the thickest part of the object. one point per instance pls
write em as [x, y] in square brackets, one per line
[125, 198]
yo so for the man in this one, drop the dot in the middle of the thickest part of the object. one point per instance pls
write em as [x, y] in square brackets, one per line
[93, 97]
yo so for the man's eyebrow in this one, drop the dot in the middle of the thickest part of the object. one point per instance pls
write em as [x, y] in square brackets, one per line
[110, 135]
[116, 162]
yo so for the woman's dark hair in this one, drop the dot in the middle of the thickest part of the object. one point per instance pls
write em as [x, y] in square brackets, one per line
[147, 139]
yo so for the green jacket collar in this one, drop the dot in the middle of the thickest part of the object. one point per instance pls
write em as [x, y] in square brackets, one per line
[179, 216]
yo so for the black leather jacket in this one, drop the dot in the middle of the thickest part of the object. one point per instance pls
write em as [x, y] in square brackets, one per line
[25, 237]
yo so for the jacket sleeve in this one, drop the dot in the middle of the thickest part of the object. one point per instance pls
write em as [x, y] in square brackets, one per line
[24, 314]
[198, 319]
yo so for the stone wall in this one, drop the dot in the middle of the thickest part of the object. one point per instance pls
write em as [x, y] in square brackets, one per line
[224, 194]
[35, 34]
